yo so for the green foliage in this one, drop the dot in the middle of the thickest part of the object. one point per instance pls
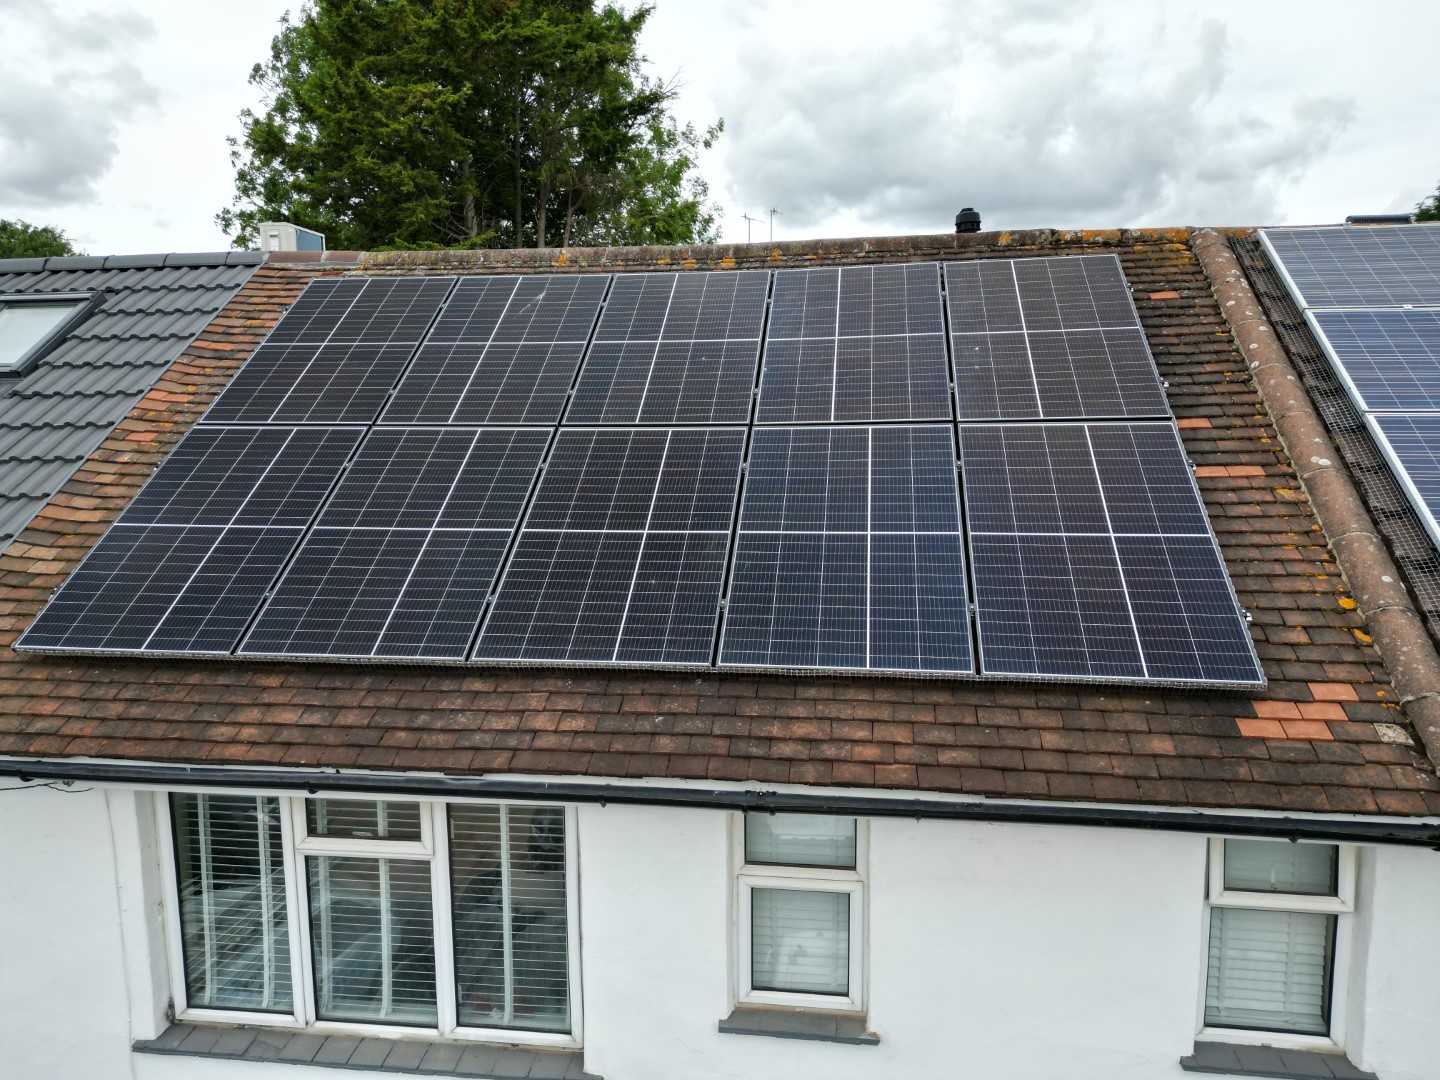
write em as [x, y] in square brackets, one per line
[465, 123]
[1429, 209]
[21, 240]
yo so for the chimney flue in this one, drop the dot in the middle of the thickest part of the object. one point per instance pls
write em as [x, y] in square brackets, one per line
[967, 220]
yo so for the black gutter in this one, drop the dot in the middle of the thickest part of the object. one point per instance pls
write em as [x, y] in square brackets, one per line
[1209, 823]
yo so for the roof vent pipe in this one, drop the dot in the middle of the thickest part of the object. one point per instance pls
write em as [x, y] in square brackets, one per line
[967, 220]
[1379, 219]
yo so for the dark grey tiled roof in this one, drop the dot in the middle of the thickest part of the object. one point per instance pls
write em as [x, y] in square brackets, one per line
[53, 418]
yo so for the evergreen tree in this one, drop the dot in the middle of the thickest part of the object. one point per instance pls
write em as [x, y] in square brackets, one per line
[465, 123]
[1429, 209]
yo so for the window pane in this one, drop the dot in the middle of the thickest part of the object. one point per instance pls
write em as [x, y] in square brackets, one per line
[24, 325]
[1280, 866]
[363, 820]
[800, 941]
[507, 866]
[1269, 970]
[232, 902]
[373, 940]
[800, 840]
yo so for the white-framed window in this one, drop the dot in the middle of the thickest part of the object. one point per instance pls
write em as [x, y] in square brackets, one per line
[1277, 944]
[800, 911]
[392, 916]
[31, 324]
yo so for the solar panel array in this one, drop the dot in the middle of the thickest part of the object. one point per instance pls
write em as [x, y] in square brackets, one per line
[736, 469]
[1372, 299]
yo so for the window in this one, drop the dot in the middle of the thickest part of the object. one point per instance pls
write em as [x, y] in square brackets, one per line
[451, 918]
[1278, 936]
[800, 906]
[30, 325]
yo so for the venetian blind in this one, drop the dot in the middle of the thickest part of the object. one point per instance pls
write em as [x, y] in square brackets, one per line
[232, 902]
[800, 941]
[507, 867]
[1269, 970]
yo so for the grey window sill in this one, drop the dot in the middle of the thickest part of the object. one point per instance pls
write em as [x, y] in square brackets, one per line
[1232, 1059]
[416, 1057]
[797, 1024]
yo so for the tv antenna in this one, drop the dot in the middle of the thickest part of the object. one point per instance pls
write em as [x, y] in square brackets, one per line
[748, 222]
[773, 215]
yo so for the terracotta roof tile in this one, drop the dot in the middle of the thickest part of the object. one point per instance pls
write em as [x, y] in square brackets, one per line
[1308, 743]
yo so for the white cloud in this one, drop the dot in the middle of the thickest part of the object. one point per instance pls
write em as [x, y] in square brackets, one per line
[68, 84]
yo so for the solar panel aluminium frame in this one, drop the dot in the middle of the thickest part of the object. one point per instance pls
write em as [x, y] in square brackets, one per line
[1241, 615]
[1277, 264]
[973, 673]
[508, 561]
[1400, 472]
[1339, 366]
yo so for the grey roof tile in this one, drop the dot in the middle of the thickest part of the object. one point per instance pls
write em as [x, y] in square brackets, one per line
[55, 417]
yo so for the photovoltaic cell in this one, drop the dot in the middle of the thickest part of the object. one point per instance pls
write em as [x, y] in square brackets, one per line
[1345, 266]
[504, 351]
[379, 311]
[622, 555]
[674, 349]
[1049, 338]
[1389, 360]
[244, 476]
[403, 557]
[849, 553]
[855, 344]
[311, 384]
[1093, 557]
[164, 588]
[1412, 444]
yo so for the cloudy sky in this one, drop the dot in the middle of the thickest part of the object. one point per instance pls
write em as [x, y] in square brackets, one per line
[848, 116]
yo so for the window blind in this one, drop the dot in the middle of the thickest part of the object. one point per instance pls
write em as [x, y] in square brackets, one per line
[507, 869]
[1269, 970]
[231, 882]
[800, 941]
[372, 939]
[363, 820]
[1280, 866]
[800, 840]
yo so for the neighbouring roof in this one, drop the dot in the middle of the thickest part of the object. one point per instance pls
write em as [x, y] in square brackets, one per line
[1327, 734]
[54, 417]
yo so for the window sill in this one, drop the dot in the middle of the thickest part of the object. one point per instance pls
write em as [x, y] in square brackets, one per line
[797, 1024]
[414, 1056]
[1236, 1059]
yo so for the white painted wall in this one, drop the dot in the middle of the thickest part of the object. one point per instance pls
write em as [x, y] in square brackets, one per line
[1010, 952]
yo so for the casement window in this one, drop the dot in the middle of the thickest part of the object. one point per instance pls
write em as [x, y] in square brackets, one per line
[800, 907]
[455, 918]
[1278, 939]
[32, 324]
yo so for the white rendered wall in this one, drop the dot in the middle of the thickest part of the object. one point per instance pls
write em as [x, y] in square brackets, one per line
[1004, 951]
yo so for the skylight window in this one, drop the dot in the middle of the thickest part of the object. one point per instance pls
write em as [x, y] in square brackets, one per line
[30, 326]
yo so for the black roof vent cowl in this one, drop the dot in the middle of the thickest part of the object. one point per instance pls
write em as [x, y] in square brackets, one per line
[967, 220]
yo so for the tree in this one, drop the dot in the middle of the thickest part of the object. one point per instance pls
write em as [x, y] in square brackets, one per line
[21, 240]
[465, 123]
[1429, 209]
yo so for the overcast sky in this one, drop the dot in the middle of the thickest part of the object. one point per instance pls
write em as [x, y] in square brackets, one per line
[850, 118]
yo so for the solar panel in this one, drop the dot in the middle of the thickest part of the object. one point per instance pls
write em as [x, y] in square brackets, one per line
[1411, 442]
[504, 351]
[402, 559]
[849, 553]
[185, 567]
[1345, 266]
[621, 558]
[311, 384]
[1049, 338]
[855, 344]
[380, 311]
[1388, 360]
[674, 349]
[1093, 557]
